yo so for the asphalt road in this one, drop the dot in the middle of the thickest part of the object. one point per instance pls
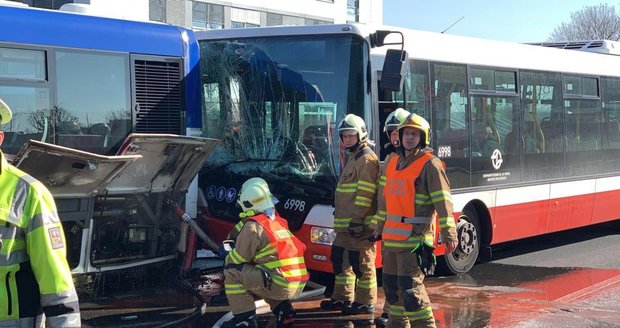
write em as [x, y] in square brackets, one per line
[590, 247]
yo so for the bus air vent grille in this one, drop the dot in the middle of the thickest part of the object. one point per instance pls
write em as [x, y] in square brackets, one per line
[159, 101]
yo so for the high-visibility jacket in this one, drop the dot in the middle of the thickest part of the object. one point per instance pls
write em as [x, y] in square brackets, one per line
[273, 248]
[379, 218]
[34, 275]
[355, 199]
[409, 212]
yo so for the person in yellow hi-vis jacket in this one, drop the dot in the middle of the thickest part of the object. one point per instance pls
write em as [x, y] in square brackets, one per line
[36, 288]
[390, 128]
[416, 189]
[267, 260]
[353, 253]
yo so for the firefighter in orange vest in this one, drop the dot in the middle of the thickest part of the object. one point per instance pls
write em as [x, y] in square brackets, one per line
[267, 260]
[416, 189]
[390, 128]
[353, 253]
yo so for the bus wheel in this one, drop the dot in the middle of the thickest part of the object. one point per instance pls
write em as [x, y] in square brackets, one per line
[466, 254]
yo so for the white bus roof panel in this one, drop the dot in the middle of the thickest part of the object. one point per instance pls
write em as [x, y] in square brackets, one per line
[474, 51]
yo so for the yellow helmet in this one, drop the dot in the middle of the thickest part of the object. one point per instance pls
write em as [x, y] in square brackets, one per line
[255, 196]
[393, 120]
[355, 123]
[417, 122]
[5, 113]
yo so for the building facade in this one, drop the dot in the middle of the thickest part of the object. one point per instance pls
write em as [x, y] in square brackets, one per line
[215, 14]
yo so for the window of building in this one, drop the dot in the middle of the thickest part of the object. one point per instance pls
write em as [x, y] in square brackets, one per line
[157, 10]
[207, 16]
[274, 19]
[244, 18]
[353, 11]
[309, 21]
[47, 4]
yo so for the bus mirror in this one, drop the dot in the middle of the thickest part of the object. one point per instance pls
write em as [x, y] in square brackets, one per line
[377, 39]
[394, 70]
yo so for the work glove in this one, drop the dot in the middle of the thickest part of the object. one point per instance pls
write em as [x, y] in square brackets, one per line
[356, 229]
[426, 258]
[222, 252]
[225, 248]
[375, 237]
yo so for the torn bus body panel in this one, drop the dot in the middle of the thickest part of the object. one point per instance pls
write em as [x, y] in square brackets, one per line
[169, 163]
[113, 208]
[69, 172]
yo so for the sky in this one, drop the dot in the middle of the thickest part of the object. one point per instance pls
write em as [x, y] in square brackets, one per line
[506, 20]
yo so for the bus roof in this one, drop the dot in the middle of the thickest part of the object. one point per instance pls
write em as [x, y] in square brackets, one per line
[474, 51]
[282, 31]
[63, 29]
[600, 46]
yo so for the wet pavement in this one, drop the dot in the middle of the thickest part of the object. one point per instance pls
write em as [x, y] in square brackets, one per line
[496, 295]
[513, 291]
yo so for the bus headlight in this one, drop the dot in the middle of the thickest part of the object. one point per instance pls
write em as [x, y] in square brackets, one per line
[321, 235]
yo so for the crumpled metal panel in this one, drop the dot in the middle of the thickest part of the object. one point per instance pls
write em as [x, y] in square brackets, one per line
[69, 172]
[145, 163]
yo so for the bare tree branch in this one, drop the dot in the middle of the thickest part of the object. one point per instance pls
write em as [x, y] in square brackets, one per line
[590, 23]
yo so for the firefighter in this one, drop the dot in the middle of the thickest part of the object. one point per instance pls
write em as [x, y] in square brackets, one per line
[37, 288]
[266, 261]
[353, 253]
[416, 189]
[390, 128]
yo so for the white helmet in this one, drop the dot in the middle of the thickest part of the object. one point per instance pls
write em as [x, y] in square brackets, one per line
[255, 196]
[393, 120]
[355, 123]
[5, 113]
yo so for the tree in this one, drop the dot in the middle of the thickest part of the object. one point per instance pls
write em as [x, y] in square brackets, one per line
[590, 23]
[57, 116]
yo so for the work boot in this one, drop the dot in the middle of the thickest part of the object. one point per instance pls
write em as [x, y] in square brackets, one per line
[333, 304]
[358, 308]
[242, 320]
[285, 314]
[381, 321]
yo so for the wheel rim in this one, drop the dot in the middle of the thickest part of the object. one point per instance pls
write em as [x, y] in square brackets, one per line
[468, 237]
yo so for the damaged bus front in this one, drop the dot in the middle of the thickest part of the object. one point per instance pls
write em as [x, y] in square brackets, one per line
[273, 96]
[114, 209]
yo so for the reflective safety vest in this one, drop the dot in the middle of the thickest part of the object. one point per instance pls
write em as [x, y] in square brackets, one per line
[400, 204]
[288, 248]
[34, 275]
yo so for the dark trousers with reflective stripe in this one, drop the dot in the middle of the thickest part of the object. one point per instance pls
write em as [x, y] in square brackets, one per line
[354, 267]
[403, 282]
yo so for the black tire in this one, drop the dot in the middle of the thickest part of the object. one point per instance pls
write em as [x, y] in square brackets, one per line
[466, 254]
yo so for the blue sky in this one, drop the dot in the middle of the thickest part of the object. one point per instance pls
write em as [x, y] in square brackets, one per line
[507, 20]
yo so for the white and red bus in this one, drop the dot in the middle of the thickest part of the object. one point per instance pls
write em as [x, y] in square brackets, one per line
[530, 135]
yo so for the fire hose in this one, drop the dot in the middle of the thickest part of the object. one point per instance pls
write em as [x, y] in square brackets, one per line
[192, 223]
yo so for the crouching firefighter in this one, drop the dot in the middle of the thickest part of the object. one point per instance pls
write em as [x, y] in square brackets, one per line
[416, 189]
[266, 261]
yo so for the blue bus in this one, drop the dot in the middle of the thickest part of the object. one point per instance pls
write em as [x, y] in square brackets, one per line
[86, 82]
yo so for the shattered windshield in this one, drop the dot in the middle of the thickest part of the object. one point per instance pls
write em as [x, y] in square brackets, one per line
[274, 102]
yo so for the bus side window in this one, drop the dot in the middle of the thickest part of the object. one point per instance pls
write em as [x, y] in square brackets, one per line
[612, 132]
